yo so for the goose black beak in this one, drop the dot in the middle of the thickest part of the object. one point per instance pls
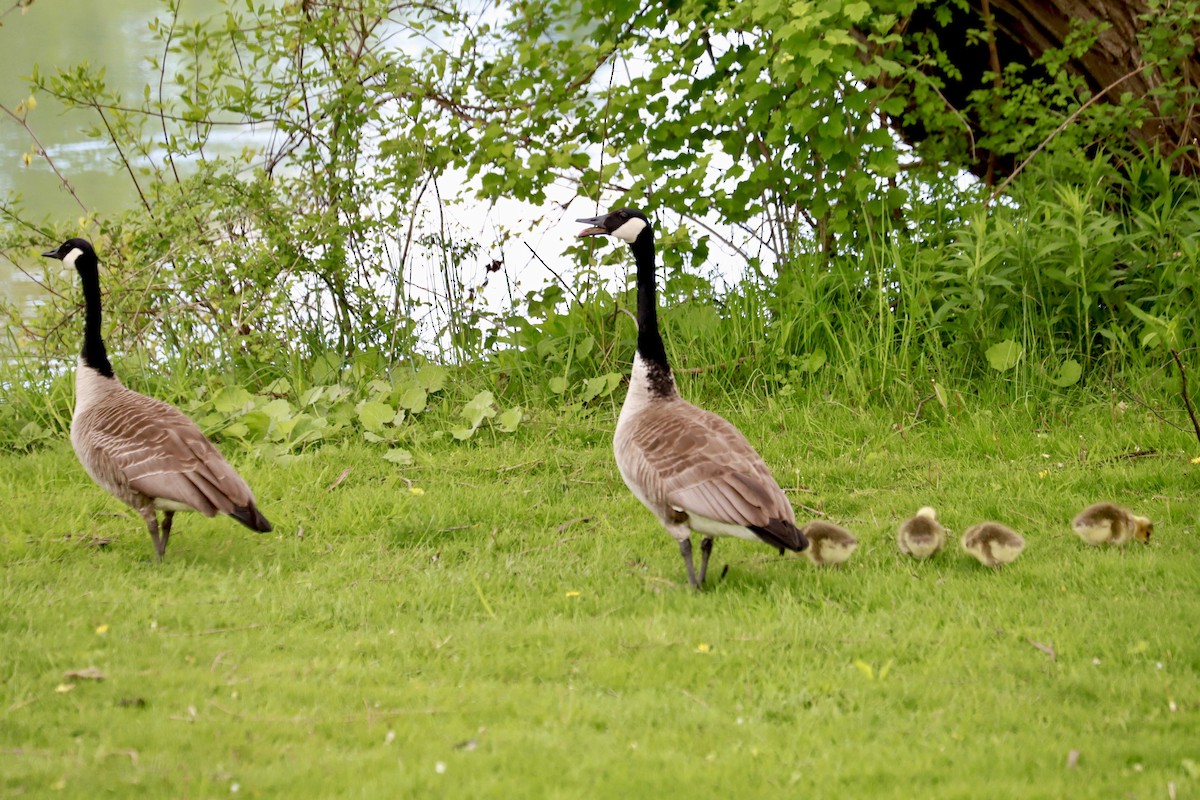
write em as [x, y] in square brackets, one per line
[596, 226]
[52, 253]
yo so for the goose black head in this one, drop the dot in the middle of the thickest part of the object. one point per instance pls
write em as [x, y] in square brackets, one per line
[69, 251]
[626, 224]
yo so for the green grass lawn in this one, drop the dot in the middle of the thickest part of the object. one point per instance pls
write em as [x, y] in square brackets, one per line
[520, 626]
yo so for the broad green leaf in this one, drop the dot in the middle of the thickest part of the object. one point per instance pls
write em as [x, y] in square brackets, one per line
[592, 387]
[238, 430]
[326, 367]
[479, 408]
[462, 434]
[258, 423]
[1005, 355]
[510, 420]
[414, 399]
[374, 414]
[278, 409]
[856, 11]
[1068, 374]
[559, 384]
[813, 361]
[232, 399]
[431, 378]
[278, 386]
[398, 455]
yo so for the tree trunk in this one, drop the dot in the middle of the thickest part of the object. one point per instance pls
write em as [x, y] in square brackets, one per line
[1115, 64]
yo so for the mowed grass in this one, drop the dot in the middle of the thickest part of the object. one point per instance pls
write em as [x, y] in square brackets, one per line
[521, 626]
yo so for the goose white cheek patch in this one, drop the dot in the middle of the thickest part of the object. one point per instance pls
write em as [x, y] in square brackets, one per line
[70, 258]
[630, 230]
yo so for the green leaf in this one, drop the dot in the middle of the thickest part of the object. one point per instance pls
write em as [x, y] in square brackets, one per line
[592, 387]
[431, 378]
[326, 367]
[559, 384]
[233, 399]
[237, 430]
[1068, 374]
[940, 394]
[414, 399]
[479, 408]
[374, 414]
[813, 361]
[856, 11]
[1005, 355]
[510, 420]
[278, 409]
[462, 434]
[398, 455]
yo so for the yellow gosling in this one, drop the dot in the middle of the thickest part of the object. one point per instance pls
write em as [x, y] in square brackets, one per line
[921, 536]
[1111, 524]
[828, 544]
[993, 544]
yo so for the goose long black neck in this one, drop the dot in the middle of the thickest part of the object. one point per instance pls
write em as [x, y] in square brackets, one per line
[94, 353]
[650, 343]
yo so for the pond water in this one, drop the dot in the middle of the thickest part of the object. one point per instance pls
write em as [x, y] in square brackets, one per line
[54, 35]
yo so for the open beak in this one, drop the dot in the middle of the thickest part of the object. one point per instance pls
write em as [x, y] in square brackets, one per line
[596, 226]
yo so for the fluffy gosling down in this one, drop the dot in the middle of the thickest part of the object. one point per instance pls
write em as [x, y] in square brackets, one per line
[921, 536]
[1109, 523]
[146, 453]
[693, 469]
[993, 544]
[828, 544]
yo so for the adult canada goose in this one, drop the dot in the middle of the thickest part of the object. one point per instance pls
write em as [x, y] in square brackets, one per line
[921, 536]
[993, 544]
[694, 470]
[1109, 523]
[144, 452]
[828, 544]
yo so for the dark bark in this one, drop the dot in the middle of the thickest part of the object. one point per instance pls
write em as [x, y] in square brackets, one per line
[1025, 30]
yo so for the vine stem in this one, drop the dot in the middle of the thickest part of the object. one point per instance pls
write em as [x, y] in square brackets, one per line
[1187, 400]
[1074, 114]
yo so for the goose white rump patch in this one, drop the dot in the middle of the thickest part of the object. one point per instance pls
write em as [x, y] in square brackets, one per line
[712, 527]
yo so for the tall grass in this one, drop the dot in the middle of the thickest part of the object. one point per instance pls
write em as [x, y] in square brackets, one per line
[1083, 284]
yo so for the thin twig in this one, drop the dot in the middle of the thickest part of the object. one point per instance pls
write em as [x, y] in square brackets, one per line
[1020, 167]
[1183, 388]
[557, 277]
[44, 154]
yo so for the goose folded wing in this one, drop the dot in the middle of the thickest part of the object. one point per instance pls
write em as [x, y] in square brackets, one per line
[727, 496]
[165, 455]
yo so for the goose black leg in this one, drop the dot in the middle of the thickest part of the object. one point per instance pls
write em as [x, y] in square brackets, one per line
[160, 544]
[685, 550]
[705, 551]
[168, 518]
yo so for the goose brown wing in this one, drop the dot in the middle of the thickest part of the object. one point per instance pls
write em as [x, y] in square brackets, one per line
[700, 463]
[161, 453]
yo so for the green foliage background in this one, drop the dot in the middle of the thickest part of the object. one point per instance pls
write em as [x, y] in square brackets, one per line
[757, 133]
